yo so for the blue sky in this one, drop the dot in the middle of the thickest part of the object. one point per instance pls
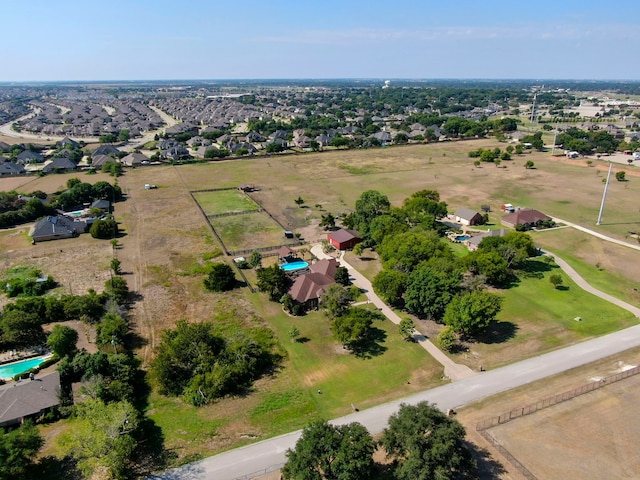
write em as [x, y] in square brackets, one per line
[196, 39]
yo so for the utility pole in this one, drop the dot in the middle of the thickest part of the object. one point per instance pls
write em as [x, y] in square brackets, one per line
[604, 195]
[555, 136]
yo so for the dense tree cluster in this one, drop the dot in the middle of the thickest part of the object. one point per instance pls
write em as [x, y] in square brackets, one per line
[195, 362]
[17, 208]
[420, 442]
[587, 142]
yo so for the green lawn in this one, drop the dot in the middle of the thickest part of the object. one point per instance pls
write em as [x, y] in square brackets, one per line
[253, 230]
[215, 203]
[320, 363]
[536, 317]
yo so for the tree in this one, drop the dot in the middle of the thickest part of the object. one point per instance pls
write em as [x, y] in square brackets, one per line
[406, 328]
[294, 333]
[327, 452]
[255, 260]
[424, 443]
[490, 264]
[106, 228]
[221, 278]
[370, 205]
[354, 326]
[117, 288]
[471, 313]
[529, 164]
[62, 340]
[275, 147]
[115, 266]
[336, 300]
[102, 437]
[406, 250]
[112, 328]
[342, 276]
[123, 135]
[328, 221]
[429, 291]
[447, 339]
[299, 201]
[274, 281]
[18, 449]
[556, 280]
[358, 249]
[621, 176]
[391, 285]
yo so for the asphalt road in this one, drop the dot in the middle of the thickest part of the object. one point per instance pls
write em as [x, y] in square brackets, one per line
[242, 462]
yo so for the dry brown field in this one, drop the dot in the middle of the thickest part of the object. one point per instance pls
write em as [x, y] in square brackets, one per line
[592, 436]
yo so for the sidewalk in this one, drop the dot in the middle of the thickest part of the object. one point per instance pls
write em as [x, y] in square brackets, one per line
[452, 370]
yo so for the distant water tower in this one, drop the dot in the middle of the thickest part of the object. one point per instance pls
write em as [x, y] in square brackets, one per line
[386, 84]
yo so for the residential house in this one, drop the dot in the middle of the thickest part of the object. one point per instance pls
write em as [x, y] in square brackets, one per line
[8, 169]
[468, 217]
[28, 398]
[344, 239]
[67, 142]
[474, 242]
[526, 217]
[55, 228]
[29, 156]
[97, 161]
[106, 150]
[134, 159]
[60, 165]
[308, 289]
[101, 204]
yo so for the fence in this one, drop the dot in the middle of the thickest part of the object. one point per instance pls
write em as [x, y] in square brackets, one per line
[483, 426]
[232, 214]
[554, 400]
[264, 471]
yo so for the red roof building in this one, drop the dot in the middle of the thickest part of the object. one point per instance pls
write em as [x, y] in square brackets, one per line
[344, 239]
[308, 289]
[528, 218]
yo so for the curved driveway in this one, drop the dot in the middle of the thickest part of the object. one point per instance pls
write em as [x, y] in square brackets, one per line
[258, 457]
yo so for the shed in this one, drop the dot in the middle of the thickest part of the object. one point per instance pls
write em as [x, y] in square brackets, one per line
[344, 239]
[466, 216]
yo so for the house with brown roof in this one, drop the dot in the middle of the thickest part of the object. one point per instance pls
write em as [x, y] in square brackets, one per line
[28, 398]
[344, 239]
[527, 217]
[466, 216]
[308, 289]
[474, 242]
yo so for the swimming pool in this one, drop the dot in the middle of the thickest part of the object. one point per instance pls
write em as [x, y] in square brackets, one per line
[12, 369]
[290, 267]
[462, 238]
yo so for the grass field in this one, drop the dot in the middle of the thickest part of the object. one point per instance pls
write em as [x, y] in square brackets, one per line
[225, 201]
[164, 234]
[253, 230]
[536, 317]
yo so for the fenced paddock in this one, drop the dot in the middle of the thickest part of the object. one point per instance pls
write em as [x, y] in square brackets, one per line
[227, 201]
[588, 432]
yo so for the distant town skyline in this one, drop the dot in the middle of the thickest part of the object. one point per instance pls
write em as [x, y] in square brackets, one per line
[464, 39]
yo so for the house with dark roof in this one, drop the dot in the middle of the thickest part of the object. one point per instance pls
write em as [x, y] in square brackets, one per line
[527, 217]
[106, 150]
[29, 156]
[56, 227]
[66, 141]
[8, 169]
[308, 289]
[60, 165]
[467, 216]
[28, 398]
[102, 204]
[344, 239]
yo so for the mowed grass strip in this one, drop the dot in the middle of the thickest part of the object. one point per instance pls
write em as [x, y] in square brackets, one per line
[252, 230]
[225, 201]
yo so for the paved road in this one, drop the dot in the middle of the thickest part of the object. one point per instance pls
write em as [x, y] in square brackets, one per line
[242, 462]
[597, 234]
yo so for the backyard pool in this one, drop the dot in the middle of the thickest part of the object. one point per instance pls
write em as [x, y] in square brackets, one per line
[12, 369]
[462, 238]
[290, 267]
